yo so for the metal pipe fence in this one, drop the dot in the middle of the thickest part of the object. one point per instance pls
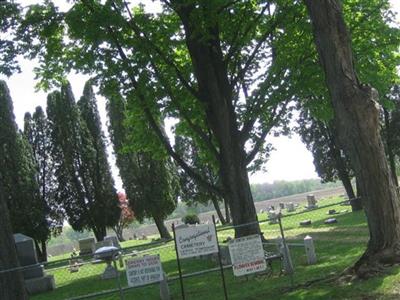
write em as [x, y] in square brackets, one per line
[283, 239]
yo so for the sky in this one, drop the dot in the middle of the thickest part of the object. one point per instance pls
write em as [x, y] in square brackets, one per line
[289, 161]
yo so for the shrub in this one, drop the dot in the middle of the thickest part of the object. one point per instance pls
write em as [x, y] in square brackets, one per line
[191, 219]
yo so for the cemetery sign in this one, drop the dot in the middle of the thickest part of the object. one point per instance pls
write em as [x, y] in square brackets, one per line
[144, 270]
[196, 240]
[247, 255]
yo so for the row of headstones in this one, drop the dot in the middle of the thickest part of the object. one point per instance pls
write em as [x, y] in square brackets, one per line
[89, 245]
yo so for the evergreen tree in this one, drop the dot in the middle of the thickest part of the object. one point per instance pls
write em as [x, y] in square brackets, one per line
[75, 158]
[37, 133]
[330, 163]
[103, 182]
[18, 177]
[150, 184]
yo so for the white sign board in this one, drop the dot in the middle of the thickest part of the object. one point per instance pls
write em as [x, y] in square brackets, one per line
[247, 255]
[196, 240]
[143, 270]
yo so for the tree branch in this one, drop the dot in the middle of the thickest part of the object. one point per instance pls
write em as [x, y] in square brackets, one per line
[153, 124]
[260, 141]
[197, 129]
[139, 33]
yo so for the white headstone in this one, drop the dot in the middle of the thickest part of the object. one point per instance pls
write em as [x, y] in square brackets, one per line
[310, 250]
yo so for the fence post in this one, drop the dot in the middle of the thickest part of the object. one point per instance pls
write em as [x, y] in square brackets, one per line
[164, 289]
[179, 263]
[287, 261]
[220, 260]
[310, 250]
[121, 292]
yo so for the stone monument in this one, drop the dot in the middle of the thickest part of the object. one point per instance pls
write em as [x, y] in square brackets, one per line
[36, 281]
[86, 246]
[103, 243]
[113, 239]
[311, 202]
[290, 207]
[272, 217]
[108, 254]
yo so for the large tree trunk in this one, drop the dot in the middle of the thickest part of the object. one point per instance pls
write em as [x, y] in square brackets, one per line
[100, 232]
[216, 94]
[227, 212]
[218, 209]
[344, 176]
[12, 285]
[118, 229]
[162, 229]
[41, 250]
[357, 122]
[389, 147]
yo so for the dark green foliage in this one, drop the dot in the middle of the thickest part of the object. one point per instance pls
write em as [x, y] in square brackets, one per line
[9, 18]
[18, 176]
[319, 138]
[150, 183]
[191, 219]
[78, 167]
[105, 195]
[37, 132]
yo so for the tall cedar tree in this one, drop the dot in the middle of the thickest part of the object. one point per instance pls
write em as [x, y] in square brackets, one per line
[357, 121]
[320, 138]
[12, 285]
[103, 183]
[77, 167]
[36, 130]
[150, 184]
[28, 213]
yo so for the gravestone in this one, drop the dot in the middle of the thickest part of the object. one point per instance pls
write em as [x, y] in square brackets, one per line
[290, 207]
[104, 243]
[107, 254]
[114, 240]
[330, 221]
[305, 222]
[272, 217]
[311, 202]
[261, 211]
[332, 212]
[282, 205]
[310, 250]
[36, 281]
[27, 255]
[86, 246]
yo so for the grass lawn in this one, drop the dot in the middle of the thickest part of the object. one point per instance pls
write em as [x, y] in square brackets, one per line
[337, 246]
